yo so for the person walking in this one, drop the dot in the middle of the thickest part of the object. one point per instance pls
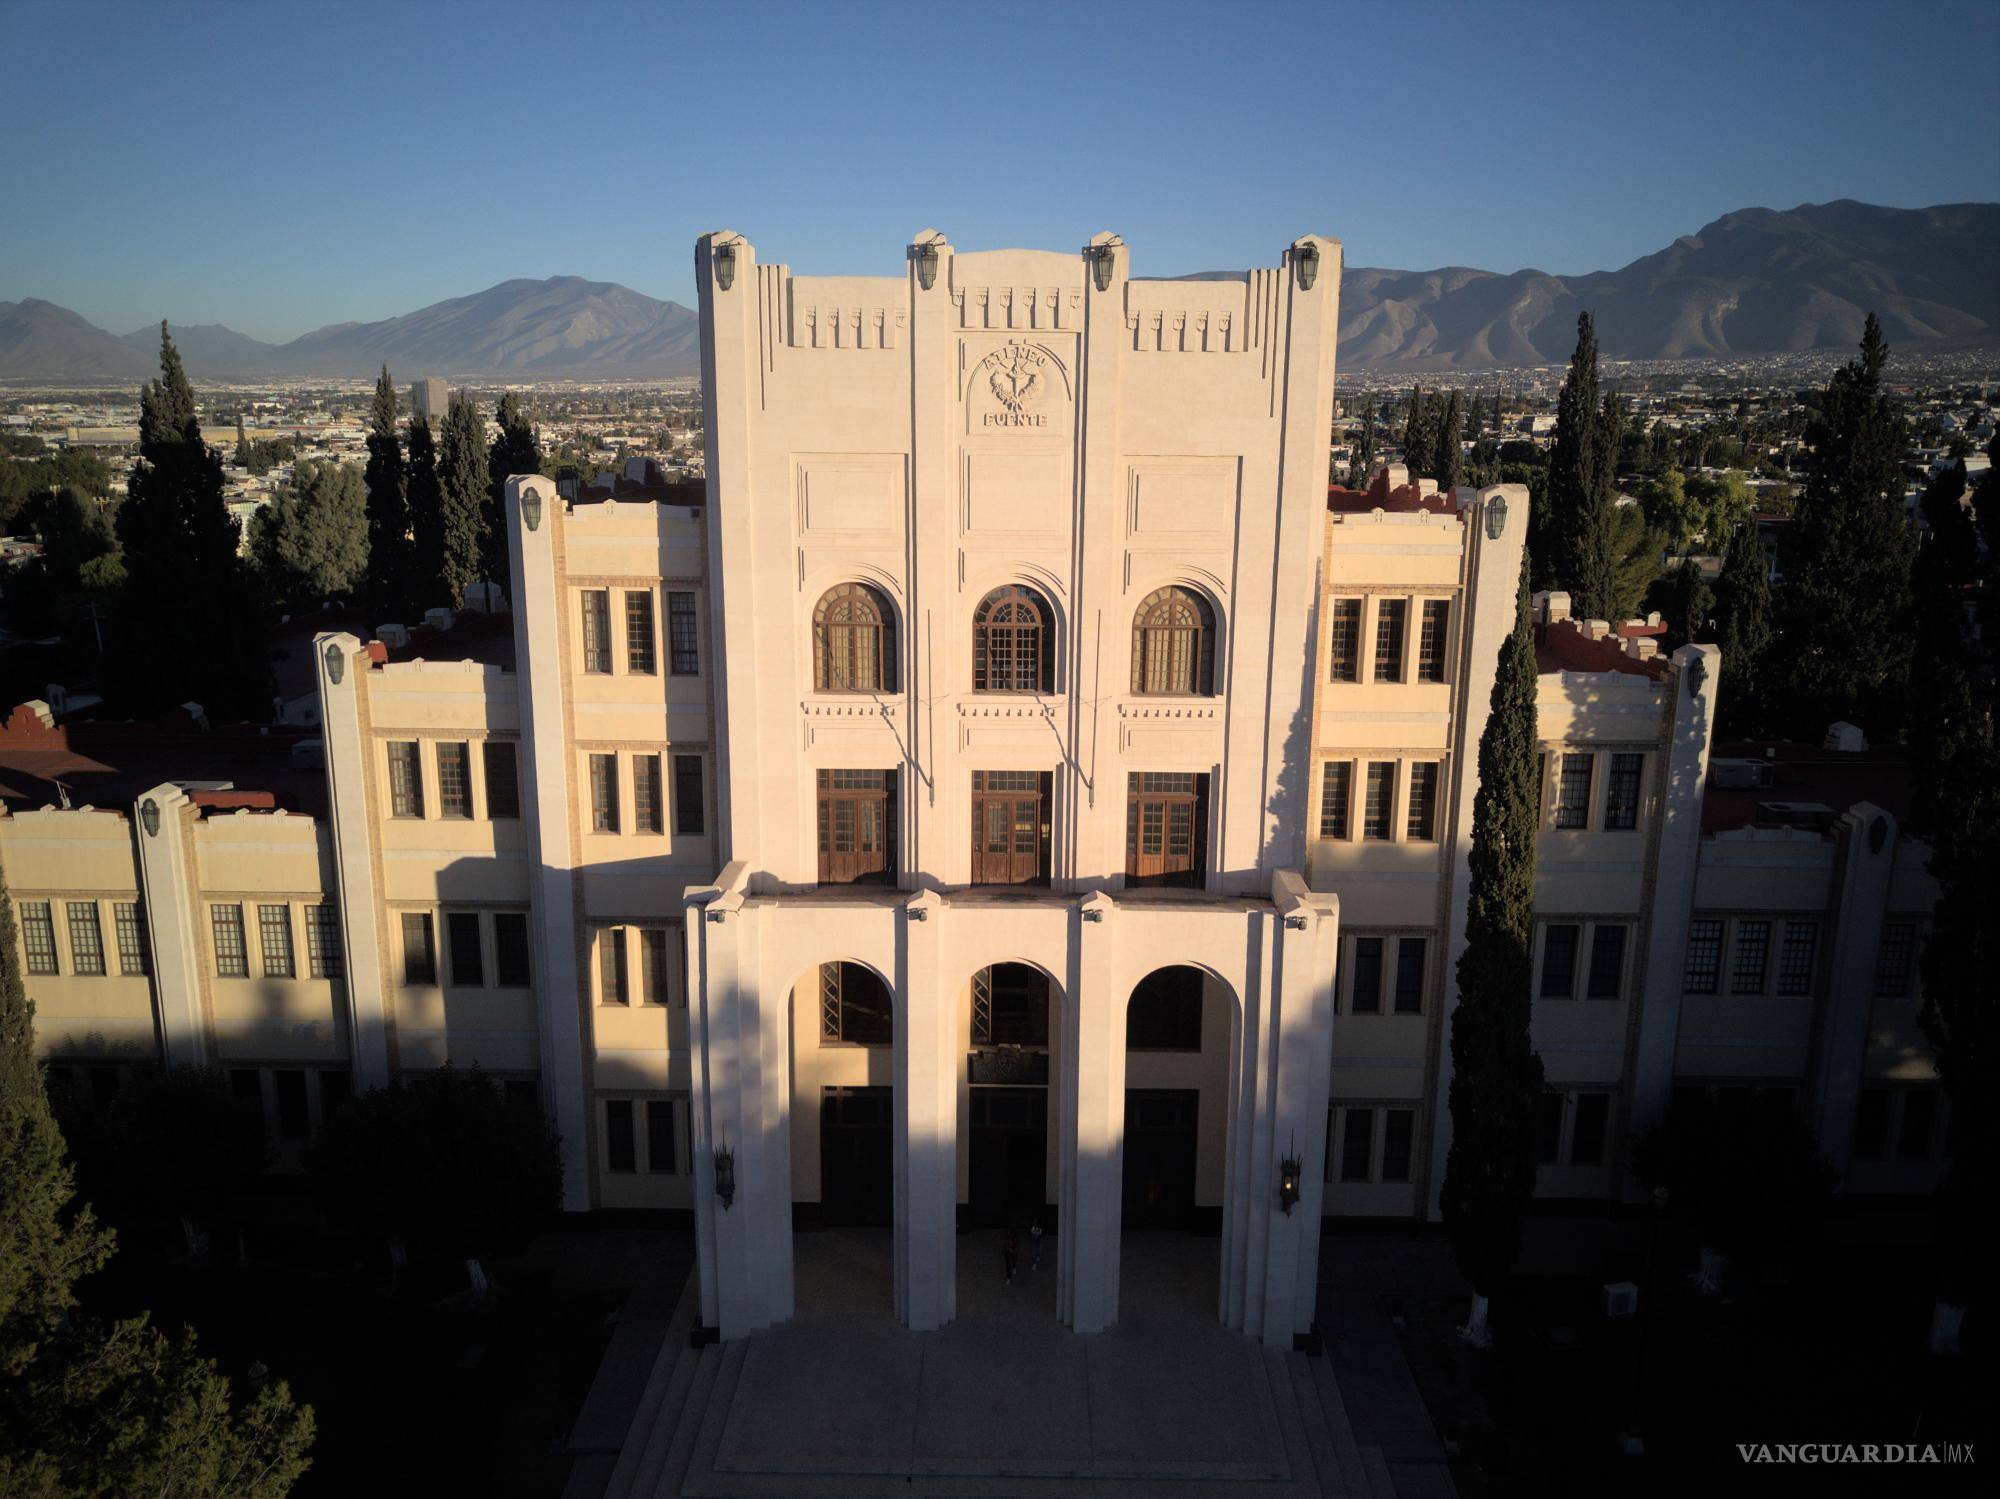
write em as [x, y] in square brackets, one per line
[1010, 1254]
[1035, 1245]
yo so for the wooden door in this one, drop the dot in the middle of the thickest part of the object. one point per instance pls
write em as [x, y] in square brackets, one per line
[1166, 823]
[1010, 827]
[857, 826]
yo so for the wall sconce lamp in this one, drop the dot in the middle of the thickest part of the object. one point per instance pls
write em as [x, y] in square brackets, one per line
[149, 817]
[918, 913]
[1290, 1170]
[1697, 674]
[1306, 258]
[1101, 264]
[1496, 517]
[725, 266]
[725, 1176]
[531, 508]
[1296, 923]
[1093, 915]
[715, 917]
[926, 257]
[336, 665]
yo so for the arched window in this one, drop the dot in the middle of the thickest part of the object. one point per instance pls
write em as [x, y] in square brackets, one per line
[1013, 647]
[1173, 644]
[854, 641]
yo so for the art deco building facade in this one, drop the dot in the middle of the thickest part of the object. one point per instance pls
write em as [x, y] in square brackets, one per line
[1015, 788]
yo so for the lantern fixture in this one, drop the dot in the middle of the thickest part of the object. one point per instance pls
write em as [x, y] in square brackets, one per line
[1306, 258]
[1290, 1170]
[531, 508]
[1496, 517]
[1102, 261]
[149, 817]
[926, 257]
[725, 1176]
[336, 664]
[725, 265]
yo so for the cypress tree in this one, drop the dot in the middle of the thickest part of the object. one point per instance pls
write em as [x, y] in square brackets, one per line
[1417, 433]
[1743, 630]
[388, 504]
[426, 516]
[462, 498]
[516, 450]
[1363, 462]
[1496, 1079]
[1577, 513]
[190, 627]
[1448, 450]
[1847, 571]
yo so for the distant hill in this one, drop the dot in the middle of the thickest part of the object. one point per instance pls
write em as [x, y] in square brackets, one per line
[1754, 282]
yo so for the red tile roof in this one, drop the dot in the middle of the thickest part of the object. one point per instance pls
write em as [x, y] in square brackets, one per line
[1564, 647]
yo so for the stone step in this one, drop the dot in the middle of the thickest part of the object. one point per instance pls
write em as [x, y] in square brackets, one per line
[663, 1479]
[1353, 1474]
[1380, 1484]
[659, 1404]
[1312, 1421]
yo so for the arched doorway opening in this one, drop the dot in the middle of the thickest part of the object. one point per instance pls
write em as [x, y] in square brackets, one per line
[1180, 1035]
[1006, 1172]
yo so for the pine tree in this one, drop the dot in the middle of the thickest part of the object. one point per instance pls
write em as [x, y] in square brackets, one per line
[189, 625]
[1577, 514]
[1496, 1080]
[426, 517]
[1363, 462]
[462, 497]
[1447, 452]
[1743, 630]
[389, 546]
[1417, 433]
[1846, 601]
[515, 451]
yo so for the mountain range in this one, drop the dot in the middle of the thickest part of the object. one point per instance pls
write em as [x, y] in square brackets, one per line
[1758, 281]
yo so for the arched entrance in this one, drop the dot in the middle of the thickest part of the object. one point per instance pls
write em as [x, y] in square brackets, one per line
[1006, 1172]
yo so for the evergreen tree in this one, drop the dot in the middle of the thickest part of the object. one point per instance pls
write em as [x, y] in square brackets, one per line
[426, 517]
[189, 627]
[1846, 602]
[1686, 603]
[1743, 630]
[515, 451]
[1496, 1080]
[1573, 475]
[90, 1409]
[311, 541]
[1447, 451]
[1417, 433]
[1363, 462]
[389, 545]
[462, 497]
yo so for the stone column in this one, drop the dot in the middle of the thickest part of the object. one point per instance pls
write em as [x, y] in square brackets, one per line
[350, 827]
[1094, 1056]
[173, 919]
[926, 1124]
[1868, 838]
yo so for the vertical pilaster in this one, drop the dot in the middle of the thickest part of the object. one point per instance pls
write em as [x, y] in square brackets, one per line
[1868, 837]
[930, 538]
[175, 923]
[351, 827]
[1091, 1209]
[927, 1125]
[1096, 828]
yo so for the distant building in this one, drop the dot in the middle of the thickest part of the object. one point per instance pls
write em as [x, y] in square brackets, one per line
[430, 398]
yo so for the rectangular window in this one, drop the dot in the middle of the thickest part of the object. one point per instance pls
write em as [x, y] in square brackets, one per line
[1336, 792]
[512, 968]
[1871, 1124]
[1621, 796]
[1892, 960]
[1357, 1147]
[656, 968]
[461, 939]
[1573, 792]
[1366, 996]
[663, 1156]
[1431, 640]
[232, 959]
[323, 941]
[1379, 806]
[642, 656]
[1549, 1128]
[1343, 646]
[1607, 961]
[1919, 1121]
[1795, 958]
[1753, 954]
[1558, 961]
[135, 943]
[503, 781]
[289, 1083]
[1422, 822]
[1704, 956]
[454, 760]
[406, 779]
[613, 982]
[274, 936]
[38, 936]
[648, 814]
[1410, 975]
[86, 938]
[1588, 1128]
[597, 631]
[1389, 618]
[690, 804]
[419, 949]
[683, 636]
[1399, 1139]
[604, 793]
[620, 1144]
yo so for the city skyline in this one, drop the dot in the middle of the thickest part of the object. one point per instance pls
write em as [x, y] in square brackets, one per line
[276, 210]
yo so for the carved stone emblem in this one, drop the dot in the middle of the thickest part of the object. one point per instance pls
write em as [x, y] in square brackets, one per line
[1018, 376]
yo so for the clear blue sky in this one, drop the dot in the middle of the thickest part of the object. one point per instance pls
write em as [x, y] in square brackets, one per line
[281, 166]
